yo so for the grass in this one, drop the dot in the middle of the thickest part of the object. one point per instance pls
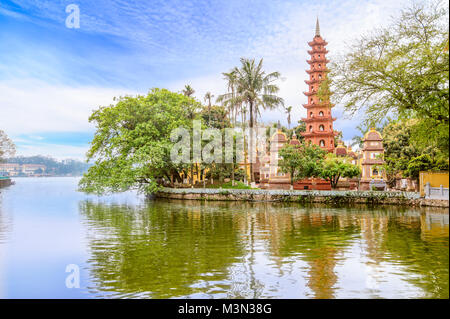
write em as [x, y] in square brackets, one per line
[228, 185]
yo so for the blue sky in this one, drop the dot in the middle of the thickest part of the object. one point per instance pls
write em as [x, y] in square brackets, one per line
[52, 77]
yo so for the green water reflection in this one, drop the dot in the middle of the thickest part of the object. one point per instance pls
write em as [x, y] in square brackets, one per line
[242, 250]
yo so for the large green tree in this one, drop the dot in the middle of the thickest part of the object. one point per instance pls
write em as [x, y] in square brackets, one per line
[401, 70]
[304, 160]
[334, 167]
[301, 161]
[131, 146]
[404, 156]
[215, 116]
[291, 160]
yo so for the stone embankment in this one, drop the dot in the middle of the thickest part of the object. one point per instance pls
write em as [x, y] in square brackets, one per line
[301, 196]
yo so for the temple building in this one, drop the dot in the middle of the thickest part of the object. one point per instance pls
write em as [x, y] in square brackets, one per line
[371, 161]
[276, 178]
[319, 125]
[319, 121]
[351, 157]
[319, 131]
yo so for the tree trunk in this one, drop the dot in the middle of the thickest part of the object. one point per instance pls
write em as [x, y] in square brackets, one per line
[334, 181]
[209, 115]
[252, 176]
[245, 146]
[232, 173]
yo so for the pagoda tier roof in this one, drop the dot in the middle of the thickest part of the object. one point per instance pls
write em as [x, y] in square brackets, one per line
[318, 119]
[317, 41]
[319, 133]
[321, 60]
[325, 70]
[322, 105]
[311, 52]
[313, 81]
[310, 93]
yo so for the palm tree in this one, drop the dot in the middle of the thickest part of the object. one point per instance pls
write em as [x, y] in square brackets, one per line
[288, 111]
[229, 99]
[188, 90]
[207, 98]
[256, 89]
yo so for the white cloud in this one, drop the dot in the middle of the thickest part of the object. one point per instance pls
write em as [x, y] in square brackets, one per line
[30, 106]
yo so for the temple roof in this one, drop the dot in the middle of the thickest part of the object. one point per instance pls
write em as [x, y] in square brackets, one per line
[373, 135]
[279, 136]
[340, 149]
[294, 140]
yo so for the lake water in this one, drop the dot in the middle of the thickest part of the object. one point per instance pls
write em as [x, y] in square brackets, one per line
[128, 247]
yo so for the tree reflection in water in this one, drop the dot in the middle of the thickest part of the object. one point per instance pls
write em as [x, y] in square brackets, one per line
[220, 249]
[159, 250]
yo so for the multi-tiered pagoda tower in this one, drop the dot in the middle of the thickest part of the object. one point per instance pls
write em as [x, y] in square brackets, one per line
[319, 122]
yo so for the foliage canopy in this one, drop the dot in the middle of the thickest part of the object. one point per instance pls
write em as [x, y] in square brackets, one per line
[131, 146]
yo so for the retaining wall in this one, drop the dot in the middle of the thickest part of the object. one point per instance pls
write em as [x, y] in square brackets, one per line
[302, 196]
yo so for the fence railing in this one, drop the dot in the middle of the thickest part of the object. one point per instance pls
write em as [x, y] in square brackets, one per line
[436, 192]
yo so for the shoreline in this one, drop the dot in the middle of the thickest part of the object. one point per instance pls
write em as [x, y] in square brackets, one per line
[301, 196]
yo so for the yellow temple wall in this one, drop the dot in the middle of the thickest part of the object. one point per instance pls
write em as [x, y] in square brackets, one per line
[436, 179]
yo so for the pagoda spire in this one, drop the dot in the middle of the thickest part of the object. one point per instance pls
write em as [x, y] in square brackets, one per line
[317, 28]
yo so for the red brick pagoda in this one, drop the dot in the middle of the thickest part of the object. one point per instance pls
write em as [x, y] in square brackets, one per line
[319, 122]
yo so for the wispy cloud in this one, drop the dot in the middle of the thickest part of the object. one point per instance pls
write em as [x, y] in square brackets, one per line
[30, 106]
[51, 77]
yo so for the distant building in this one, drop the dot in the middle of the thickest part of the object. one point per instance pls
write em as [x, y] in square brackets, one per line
[33, 169]
[343, 151]
[353, 155]
[9, 169]
[346, 151]
[14, 169]
[277, 179]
